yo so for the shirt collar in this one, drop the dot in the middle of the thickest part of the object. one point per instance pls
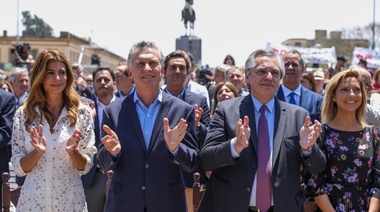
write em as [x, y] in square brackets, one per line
[158, 98]
[257, 105]
[288, 91]
[179, 96]
[112, 100]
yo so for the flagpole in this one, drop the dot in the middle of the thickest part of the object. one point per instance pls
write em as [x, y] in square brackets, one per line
[17, 25]
[373, 25]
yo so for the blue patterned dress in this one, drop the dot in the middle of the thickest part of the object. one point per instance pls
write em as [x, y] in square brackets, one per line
[352, 174]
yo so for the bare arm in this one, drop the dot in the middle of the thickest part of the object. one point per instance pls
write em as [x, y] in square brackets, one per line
[374, 204]
[324, 203]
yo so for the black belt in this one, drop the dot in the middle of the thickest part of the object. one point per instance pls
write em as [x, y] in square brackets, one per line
[256, 209]
[100, 171]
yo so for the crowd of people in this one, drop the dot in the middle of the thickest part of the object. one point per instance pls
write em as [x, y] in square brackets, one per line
[269, 136]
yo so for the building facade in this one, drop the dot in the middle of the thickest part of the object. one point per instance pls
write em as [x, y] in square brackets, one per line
[77, 50]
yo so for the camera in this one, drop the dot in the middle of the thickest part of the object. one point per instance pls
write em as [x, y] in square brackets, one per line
[18, 48]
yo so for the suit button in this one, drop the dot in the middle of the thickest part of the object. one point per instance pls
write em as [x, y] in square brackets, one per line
[146, 166]
[143, 188]
[249, 189]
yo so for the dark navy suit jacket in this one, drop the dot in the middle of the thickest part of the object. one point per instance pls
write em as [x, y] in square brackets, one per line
[309, 101]
[88, 178]
[148, 178]
[192, 99]
[7, 110]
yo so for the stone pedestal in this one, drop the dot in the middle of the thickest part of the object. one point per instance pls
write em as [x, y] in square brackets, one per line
[191, 44]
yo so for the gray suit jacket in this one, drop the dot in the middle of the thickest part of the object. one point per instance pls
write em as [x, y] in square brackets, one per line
[229, 188]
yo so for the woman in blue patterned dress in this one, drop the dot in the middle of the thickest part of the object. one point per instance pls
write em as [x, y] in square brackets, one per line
[351, 180]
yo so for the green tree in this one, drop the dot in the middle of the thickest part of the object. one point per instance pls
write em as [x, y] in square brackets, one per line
[364, 32]
[35, 26]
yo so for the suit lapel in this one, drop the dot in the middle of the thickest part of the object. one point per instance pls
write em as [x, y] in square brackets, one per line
[280, 94]
[304, 98]
[279, 129]
[187, 97]
[135, 122]
[158, 125]
[96, 125]
[246, 110]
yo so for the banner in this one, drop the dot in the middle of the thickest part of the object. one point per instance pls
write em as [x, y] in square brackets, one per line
[310, 55]
[370, 56]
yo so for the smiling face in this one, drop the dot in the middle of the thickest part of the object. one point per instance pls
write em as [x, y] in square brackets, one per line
[21, 83]
[348, 95]
[224, 93]
[55, 79]
[146, 70]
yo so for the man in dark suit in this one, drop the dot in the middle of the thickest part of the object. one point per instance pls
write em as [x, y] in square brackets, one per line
[124, 83]
[94, 182]
[145, 151]
[176, 67]
[246, 150]
[291, 86]
[19, 79]
[7, 110]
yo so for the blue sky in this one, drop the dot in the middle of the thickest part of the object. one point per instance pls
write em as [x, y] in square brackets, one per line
[236, 27]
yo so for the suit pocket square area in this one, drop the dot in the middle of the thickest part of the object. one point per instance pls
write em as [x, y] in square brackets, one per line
[177, 187]
[115, 187]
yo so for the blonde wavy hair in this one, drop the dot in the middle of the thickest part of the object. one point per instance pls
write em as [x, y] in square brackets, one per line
[330, 108]
[37, 95]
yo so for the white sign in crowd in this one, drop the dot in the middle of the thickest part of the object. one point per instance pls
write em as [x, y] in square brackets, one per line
[372, 57]
[328, 55]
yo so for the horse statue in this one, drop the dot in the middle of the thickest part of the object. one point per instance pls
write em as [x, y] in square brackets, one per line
[188, 15]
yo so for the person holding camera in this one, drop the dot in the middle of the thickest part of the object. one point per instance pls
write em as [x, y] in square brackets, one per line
[22, 56]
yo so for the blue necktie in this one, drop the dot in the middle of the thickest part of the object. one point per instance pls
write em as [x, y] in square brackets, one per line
[263, 192]
[292, 99]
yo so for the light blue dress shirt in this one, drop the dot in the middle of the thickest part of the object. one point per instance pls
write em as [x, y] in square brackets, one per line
[147, 116]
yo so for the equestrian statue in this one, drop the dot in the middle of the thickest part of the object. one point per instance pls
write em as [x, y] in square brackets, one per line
[188, 15]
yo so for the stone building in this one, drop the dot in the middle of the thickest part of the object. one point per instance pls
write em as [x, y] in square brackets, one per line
[76, 49]
[342, 46]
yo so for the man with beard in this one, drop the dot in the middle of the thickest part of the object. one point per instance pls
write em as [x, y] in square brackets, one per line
[94, 182]
[291, 89]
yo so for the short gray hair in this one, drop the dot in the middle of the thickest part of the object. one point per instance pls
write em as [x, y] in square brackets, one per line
[16, 71]
[144, 45]
[250, 62]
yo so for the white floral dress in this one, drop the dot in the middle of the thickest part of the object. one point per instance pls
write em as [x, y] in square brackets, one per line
[54, 184]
